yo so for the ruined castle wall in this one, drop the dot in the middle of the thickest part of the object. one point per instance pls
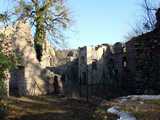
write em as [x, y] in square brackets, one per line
[82, 65]
[22, 42]
[133, 67]
[95, 69]
[96, 64]
[118, 58]
[91, 62]
[131, 55]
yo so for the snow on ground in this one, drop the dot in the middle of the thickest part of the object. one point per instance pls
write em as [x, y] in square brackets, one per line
[126, 115]
[140, 97]
[122, 115]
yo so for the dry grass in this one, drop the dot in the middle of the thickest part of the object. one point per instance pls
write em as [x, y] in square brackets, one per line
[101, 114]
[48, 108]
[54, 108]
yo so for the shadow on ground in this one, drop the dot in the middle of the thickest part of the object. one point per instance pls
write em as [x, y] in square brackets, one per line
[49, 108]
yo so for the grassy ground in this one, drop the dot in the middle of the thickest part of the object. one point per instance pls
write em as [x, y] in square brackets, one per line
[53, 108]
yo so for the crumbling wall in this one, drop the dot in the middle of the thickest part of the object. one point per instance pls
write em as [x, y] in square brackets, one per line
[66, 66]
[99, 68]
[143, 61]
[22, 42]
[132, 67]
[118, 54]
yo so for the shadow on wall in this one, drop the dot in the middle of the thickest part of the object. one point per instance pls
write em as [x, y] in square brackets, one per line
[17, 83]
[68, 82]
[26, 77]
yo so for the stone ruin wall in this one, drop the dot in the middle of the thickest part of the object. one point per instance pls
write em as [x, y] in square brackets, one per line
[28, 77]
[24, 44]
[116, 66]
[113, 66]
[134, 66]
[143, 60]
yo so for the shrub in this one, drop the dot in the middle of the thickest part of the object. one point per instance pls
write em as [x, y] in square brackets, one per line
[5, 64]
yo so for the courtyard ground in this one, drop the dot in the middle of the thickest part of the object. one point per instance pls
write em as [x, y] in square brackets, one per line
[53, 108]
[62, 108]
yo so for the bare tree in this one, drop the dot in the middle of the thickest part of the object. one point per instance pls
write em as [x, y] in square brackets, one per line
[48, 17]
[149, 17]
[148, 20]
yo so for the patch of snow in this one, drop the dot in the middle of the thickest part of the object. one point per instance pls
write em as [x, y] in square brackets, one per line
[114, 110]
[123, 100]
[122, 115]
[141, 102]
[141, 97]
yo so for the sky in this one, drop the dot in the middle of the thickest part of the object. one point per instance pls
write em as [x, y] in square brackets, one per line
[99, 21]
[102, 21]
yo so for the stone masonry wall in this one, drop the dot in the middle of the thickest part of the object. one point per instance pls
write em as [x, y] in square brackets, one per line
[133, 67]
[22, 42]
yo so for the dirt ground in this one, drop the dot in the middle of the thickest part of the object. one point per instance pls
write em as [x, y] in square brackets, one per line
[48, 108]
[53, 108]
[61, 108]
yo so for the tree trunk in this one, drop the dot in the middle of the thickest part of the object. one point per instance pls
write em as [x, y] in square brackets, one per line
[39, 36]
